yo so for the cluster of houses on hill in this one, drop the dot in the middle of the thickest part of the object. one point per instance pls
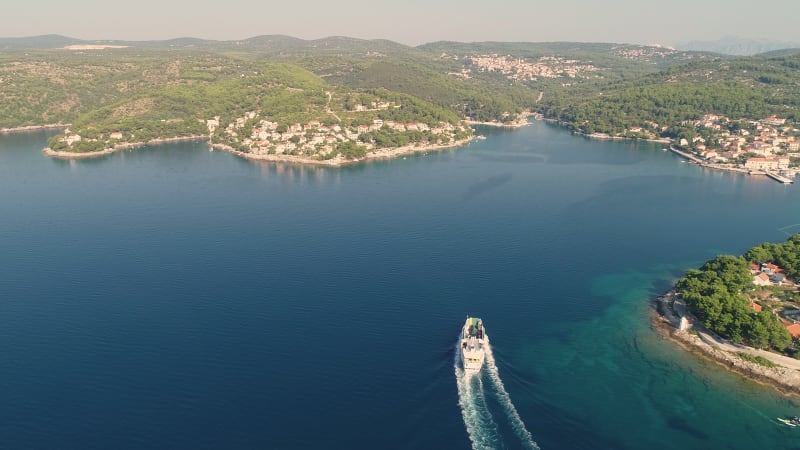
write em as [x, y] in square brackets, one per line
[519, 69]
[71, 138]
[768, 274]
[646, 52]
[768, 144]
[314, 137]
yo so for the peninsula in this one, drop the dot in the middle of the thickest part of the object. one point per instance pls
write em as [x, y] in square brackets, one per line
[296, 117]
[742, 312]
[255, 136]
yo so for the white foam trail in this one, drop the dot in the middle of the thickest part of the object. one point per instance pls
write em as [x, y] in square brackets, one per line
[505, 400]
[783, 229]
[478, 420]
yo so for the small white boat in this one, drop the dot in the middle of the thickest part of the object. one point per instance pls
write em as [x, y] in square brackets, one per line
[792, 422]
[473, 340]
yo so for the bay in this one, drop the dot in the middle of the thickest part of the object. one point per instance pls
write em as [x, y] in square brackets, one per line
[172, 297]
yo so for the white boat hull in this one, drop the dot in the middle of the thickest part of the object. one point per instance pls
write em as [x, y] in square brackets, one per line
[472, 345]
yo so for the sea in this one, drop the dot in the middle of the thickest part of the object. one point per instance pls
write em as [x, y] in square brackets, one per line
[173, 297]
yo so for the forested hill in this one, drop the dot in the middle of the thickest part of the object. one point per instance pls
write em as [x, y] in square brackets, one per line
[588, 86]
[738, 88]
[53, 79]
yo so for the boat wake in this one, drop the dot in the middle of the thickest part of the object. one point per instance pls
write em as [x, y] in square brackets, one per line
[788, 227]
[481, 426]
[505, 401]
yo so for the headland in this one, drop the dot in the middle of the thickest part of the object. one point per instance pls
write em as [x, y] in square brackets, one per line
[339, 160]
[780, 372]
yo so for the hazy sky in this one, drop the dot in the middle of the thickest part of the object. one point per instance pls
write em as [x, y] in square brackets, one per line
[408, 21]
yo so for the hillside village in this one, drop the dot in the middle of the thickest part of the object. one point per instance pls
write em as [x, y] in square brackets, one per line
[260, 136]
[646, 52]
[768, 144]
[519, 69]
[254, 133]
[766, 275]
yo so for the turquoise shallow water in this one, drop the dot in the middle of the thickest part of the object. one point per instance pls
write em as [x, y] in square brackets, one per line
[172, 297]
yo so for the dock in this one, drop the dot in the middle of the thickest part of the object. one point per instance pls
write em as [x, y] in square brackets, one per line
[686, 155]
[779, 178]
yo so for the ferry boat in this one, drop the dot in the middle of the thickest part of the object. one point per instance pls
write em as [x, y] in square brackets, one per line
[473, 340]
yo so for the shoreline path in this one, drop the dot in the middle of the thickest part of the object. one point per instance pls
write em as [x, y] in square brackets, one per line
[786, 376]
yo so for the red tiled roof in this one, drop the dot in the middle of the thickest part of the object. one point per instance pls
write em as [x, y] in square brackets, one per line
[794, 329]
[755, 306]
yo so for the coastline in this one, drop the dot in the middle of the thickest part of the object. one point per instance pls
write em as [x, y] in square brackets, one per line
[666, 319]
[725, 168]
[520, 121]
[608, 137]
[688, 156]
[127, 146]
[51, 126]
[338, 161]
[600, 136]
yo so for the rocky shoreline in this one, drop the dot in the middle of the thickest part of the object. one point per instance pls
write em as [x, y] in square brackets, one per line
[608, 137]
[667, 319]
[127, 146]
[383, 153]
[338, 161]
[52, 126]
[601, 136]
[520, 121]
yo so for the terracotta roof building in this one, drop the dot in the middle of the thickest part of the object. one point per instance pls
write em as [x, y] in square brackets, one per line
[794, 329]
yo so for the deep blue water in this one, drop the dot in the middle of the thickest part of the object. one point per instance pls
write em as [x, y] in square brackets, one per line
[172, 297]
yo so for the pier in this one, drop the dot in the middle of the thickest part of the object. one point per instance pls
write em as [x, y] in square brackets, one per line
[686, 155]
[779, 178]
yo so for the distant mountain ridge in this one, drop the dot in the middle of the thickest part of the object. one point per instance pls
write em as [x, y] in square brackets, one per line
[729, 45]
[51, 41]
[733, 45]
[44, 41]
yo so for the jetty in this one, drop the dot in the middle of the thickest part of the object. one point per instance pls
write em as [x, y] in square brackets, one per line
[686, 155]
[779, 178]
